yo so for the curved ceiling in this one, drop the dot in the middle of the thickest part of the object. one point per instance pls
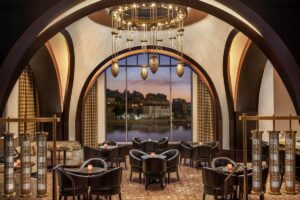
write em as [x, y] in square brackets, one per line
[102, 17]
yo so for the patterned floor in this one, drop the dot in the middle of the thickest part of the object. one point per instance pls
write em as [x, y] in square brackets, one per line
[188, 188]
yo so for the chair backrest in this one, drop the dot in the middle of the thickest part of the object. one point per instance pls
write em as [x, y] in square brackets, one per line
[172, 157]
[163, 143]
[96, 162]
[112, 154]
[213, 178]
[109, 179]
[201, 151]
[149, 146]
[184, 143]
[154, 165]
[222, 161]
[136, 143]
[123, 150]
[135, 157]
[63, 177]
[89, 152]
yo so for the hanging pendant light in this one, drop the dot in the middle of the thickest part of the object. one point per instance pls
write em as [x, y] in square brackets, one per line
[180, 69]
[144, 72]
[115, 68]
[153, 64]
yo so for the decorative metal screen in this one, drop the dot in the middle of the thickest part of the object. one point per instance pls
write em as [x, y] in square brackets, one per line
[9, 186]
[90, 118]
[41, 138]
[205, 114]
[275, 181]
[290, 162]
[25, 182]
[257, 161]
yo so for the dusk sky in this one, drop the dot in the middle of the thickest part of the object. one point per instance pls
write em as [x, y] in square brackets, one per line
[155, 83]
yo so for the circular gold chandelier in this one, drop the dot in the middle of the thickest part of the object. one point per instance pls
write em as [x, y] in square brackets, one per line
[148, 24]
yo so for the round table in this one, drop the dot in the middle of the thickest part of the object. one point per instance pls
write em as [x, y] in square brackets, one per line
[153, 156]
[108, 147]
[86, 172]
[58, 150]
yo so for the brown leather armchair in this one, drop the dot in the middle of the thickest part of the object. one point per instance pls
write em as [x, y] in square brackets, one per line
[137, 143]
[136, 162]
[71, 184]
[217, 183]
[201, 153]
[185, 152]
[106, 184]
[172, 162]
[162, 144]
[149, 146]
[96, 162]
[155, 168]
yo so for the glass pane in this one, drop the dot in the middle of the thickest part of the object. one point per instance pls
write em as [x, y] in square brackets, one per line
[174, 61]
[122, 62]
[132, 60]
[143, 59]
[164, 60]
[181, 105]
[115, 106]
[148, 104]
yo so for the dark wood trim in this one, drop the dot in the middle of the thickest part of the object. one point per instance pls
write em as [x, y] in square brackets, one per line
[167, 51]
[69, 85]
[227, 82]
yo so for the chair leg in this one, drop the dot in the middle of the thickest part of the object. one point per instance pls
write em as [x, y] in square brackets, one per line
[180, 161]
[65, 198]
[109, 198]
[146, 183]
[203, 197]
[130, 175]
[177, 175]
[120, 196]
[60, 197]
[140, 177]
[168, 177]
[161, 184]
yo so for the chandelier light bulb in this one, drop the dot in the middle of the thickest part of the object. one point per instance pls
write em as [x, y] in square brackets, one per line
[144, 72]
[180, 69]
[115, 68]
[153, 64]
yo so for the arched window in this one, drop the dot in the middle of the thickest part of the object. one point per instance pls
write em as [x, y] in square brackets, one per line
[163, 105]
[160, 106]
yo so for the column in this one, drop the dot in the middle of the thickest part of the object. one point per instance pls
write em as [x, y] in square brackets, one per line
[257, 161]
[9, 186]
[290, 161]
[41, 138]
[275, 181]
[25, 182]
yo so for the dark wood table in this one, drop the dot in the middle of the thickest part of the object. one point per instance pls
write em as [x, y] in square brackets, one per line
[108, 147]
[154, 156]
[84, 171]
[59, 150]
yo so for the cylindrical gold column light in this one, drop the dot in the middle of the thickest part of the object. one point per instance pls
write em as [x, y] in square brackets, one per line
[275, 181]
[41, 138]
[257, 161]
[290, 162]
[9, 186]
[25, 182]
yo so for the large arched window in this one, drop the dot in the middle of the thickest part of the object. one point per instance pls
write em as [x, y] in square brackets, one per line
[160, 106]
[164, 105]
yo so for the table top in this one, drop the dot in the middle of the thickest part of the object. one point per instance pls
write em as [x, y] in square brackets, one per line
[108, 147]
[239, 170]
[58, 148]
[85, 171]
[154, 156]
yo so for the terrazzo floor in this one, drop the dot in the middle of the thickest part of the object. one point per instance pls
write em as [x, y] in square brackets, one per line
[189, 187]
